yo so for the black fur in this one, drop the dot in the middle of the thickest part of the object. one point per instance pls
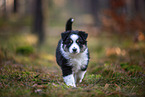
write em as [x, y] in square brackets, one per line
[62, 62]
[69, 25]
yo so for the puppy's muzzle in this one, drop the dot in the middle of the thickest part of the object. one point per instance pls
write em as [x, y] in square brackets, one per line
[74, 50]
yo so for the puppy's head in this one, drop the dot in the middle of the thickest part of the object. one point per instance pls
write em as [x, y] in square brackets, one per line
[74, 41]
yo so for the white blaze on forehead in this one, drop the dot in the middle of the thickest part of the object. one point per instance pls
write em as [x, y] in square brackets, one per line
[74, 45]
[74, 37]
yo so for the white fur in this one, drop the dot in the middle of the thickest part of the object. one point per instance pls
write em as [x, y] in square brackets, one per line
[72, 20]
[74, 45]
[69, 80]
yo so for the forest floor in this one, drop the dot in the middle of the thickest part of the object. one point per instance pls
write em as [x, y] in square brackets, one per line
[116, 68]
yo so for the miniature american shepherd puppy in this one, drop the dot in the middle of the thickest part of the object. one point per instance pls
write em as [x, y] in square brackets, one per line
[72, 54]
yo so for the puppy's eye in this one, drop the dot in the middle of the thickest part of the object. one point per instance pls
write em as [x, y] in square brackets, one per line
[77, 41]
[71, 41]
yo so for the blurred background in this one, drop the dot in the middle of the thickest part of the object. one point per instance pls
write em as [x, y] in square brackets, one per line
[30, 31]
[48, 17]
[116, 28]
[111, 24]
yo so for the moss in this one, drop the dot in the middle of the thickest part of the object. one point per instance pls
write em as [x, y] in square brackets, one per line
[107, 73]
[96, 70]
[25, 50]
[131, 68]
[93, 78]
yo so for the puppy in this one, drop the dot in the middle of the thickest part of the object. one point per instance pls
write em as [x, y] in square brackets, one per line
[72, 54]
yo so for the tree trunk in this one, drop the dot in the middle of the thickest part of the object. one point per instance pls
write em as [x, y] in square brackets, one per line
[4, 9]
[97, 8]
[142, 8]
[15, 8]
[38, 21]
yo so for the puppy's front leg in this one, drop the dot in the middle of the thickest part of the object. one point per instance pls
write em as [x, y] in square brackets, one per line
[69, 80]
[79, 76]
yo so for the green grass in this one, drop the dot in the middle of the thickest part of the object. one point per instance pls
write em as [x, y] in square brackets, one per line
[116, 68]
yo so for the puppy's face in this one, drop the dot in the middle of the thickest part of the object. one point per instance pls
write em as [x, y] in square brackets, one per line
[74, 42]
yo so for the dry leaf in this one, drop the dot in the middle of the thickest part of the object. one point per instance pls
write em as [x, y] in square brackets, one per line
[106, 86]
[38, 90]
[34, 85]
[118, 88]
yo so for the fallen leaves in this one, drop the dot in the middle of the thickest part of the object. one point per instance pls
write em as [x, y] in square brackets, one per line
[118, 88]
[115, 51]
[109, 91]
[38, 88]
[106, 86]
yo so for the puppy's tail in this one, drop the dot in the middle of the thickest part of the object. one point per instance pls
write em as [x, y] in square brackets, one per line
[69, 24]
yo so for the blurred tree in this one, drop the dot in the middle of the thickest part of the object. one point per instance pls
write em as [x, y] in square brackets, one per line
[95, 11]
[119, 16]
[130, 9]
[97, 8]
[4, 8]
[140, 8]
[15, 8]
[27, 6]
[38, 20]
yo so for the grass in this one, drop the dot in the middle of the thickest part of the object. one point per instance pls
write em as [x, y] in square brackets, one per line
[116, 68]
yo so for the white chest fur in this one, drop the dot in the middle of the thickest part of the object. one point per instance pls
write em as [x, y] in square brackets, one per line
[78, 61]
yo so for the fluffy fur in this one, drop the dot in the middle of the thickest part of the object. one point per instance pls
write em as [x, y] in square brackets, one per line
[72, 55]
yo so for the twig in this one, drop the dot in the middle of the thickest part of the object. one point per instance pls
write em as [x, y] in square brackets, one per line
[132, 89]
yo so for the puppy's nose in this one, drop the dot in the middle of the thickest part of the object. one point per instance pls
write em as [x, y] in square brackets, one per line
[74, 49]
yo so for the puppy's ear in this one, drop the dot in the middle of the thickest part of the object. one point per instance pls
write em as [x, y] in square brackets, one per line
[64, 35]
[83, 35]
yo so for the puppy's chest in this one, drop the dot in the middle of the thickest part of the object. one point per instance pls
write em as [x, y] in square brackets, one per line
[78, 62]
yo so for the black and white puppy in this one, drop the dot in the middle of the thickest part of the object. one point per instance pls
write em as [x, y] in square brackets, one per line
[72, 54]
